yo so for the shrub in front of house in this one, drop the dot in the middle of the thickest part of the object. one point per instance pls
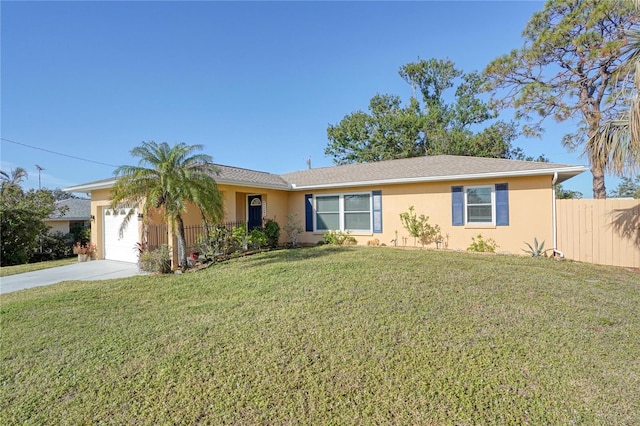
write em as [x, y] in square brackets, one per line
[222, 242]
[157, 260]
[339, 238]
[272, 231]
[51, 247]
[239, 238]
[80, 233]
[257, 239]
[419, 227]
[479, 244]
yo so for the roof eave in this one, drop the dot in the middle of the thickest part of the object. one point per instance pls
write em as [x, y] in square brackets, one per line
[564, 173]
[283, 187]
[88, 187]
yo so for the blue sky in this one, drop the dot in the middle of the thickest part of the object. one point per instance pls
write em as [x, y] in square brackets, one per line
[256, 83]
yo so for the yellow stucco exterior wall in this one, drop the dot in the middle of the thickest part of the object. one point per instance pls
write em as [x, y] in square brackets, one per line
[100, 199]
[274, 205]
[530, 212]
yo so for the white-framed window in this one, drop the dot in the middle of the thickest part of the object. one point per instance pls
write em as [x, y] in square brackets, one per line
[343, 212]
[480, 204]
[327, 212]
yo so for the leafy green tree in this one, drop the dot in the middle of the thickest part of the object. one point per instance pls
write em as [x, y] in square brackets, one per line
[21, 222]
[388, 131]
[627, 188]
[60, 195]
[567, 194]
[78, 233]
[429, 126]
[565, 70]
[519, 154]
[169, 178]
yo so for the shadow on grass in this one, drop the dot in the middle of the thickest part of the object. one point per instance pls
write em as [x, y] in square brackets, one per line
[286, 255]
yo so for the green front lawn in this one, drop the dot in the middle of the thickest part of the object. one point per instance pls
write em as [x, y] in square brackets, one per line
[330, 335]
[30, 267]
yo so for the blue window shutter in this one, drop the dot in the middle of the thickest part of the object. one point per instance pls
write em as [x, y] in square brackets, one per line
[457, 206]
[502, 204]
[308, 212]
[377, 211]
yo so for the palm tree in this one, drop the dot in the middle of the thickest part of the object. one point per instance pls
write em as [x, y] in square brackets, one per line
[169, 178]
[617, 143]
[14, 178]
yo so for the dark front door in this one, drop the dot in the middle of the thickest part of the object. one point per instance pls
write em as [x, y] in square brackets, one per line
[255, 211]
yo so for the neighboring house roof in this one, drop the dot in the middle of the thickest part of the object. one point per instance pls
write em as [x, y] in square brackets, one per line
[76, 209]
[417, 169]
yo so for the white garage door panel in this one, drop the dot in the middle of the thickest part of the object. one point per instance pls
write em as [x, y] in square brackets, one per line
[116, 247]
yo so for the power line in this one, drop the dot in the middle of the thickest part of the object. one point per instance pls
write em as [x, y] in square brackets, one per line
[57, 153]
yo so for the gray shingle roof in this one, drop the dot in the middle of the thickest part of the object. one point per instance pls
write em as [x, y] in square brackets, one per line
[418, 169]
[238, 176]
[222, 175]
[77, 209]
[440, 167]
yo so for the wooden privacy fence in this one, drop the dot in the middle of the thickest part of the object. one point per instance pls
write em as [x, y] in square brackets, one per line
[606, 232]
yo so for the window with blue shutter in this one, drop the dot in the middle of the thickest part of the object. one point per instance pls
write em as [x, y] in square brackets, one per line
[457, 206]
[502, 204]
[308, 212]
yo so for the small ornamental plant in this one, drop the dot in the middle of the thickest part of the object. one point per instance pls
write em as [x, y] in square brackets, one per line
[272, 231]
[480, 245]
[419, 227]
[88, 249]
[293, 229]
[536, 250]
[339, 238]
[156, 261]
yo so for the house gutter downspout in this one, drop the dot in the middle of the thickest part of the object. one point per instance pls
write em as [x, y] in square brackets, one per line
[555, 218]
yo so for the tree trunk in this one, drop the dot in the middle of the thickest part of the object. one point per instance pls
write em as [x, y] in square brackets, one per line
[182, 244]
[597, 160]
[599, 190]
[207, 235]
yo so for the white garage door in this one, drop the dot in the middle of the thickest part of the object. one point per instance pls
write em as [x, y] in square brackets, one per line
[116, 246]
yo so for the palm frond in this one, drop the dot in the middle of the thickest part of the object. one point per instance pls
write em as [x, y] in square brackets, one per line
[617, 144]
[13, 178]
[614, 148]
[170, 179]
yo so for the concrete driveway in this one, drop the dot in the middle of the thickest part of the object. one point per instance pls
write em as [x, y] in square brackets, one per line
[82, 271]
